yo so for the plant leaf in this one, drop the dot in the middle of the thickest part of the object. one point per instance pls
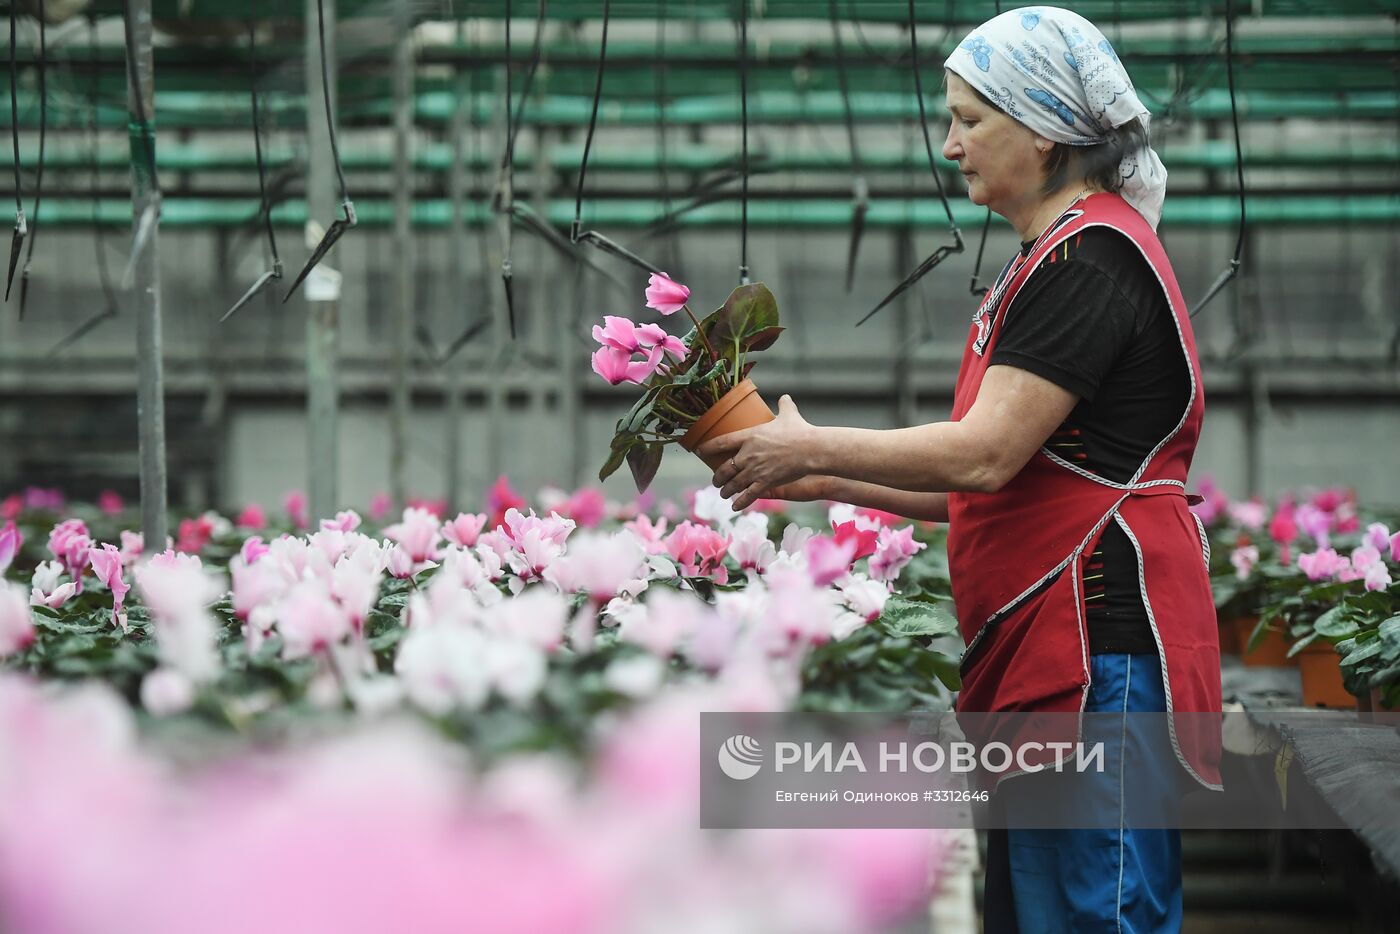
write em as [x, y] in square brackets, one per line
[644, 459]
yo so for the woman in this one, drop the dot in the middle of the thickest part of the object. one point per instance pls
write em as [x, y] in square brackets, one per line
[1078, 571]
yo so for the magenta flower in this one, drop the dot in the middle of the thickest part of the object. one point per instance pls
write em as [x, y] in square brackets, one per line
[10, 540]
[617, 366]
[252, 517]
[110, 502]
[665, 294]
[1395, 547]
[295, 504]
[620, 334]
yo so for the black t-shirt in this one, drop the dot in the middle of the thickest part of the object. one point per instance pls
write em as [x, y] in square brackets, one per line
[1094, 320]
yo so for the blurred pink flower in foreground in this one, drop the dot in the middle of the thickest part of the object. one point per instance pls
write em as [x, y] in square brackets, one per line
[10, 542]
[666, 295]
[16, 620]
[111, 503]
[827, 559]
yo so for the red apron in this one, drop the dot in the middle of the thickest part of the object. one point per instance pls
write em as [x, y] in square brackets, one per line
[1017, 556]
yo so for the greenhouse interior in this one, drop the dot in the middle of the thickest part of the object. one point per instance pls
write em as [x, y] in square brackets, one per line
[638, 465]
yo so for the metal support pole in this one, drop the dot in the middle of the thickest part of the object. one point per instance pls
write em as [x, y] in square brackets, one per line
[457, 250]
[150, 392]
[500, 333]
[906, 397]
[403, 310]
[322, 288]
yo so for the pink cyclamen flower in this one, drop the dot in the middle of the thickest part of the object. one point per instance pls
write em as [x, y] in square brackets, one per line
[10, 540]
[107, 565]
[652, 335]
[1377, 536]
[110, 502]
[1395, 547]
[417, 533]
[1283, 527]
[617, 366]
[587, 506]
[1315, 523]
[380, 505]
[828, 559]
[11, 507]
[1364, 557]
[1250, 514]
[1244, 559]
[252, 517]
[893, 550]
[55, 598]
[1323, 564]
[619, 333]
[665, 294]
[464, 529]
[1378, 577]
[345, 521]
[69, 543]
[865, 539]
[16, 620]
[253, 549]
[295, 504]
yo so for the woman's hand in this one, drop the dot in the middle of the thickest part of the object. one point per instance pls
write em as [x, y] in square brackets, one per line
[765, 458]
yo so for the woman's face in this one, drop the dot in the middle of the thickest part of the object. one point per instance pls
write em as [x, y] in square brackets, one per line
[996, 155]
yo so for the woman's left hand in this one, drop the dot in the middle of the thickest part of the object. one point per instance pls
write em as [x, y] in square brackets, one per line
[761, 458]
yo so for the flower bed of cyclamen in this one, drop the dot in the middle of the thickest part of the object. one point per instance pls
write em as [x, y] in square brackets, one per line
[456, 724]
[1317, 568]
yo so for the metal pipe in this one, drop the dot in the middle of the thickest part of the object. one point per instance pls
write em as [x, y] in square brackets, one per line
[404, 262]
[1186, 211]
[150, 392]
[322, 289]
[457, 250]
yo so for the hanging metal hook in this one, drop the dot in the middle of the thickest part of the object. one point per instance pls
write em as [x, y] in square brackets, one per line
[347, 219]
[21, 226]
[43, 139]
[576, 232]
[943, 252]
[1233, 268]
[271, 275]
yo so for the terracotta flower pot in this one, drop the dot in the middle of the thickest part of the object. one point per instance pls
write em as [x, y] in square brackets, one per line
[1272, 651]
[1229, 638]
[1321, 669]
[739, 408]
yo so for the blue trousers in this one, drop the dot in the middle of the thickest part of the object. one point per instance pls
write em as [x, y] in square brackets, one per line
[1123, 880]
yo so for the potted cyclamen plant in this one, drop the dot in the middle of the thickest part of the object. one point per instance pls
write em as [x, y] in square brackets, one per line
[696, 388]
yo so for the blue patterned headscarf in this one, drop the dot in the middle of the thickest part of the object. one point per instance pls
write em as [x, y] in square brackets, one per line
[1053, 71]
